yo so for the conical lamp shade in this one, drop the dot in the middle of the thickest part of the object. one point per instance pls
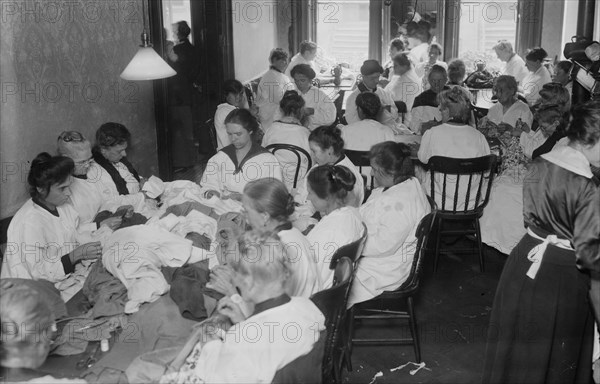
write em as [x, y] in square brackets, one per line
[147, 65]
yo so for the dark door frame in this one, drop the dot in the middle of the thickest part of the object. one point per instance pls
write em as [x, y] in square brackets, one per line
[212, 34]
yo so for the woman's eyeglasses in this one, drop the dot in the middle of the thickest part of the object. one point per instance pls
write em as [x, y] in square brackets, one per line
[84, 162]
[68, 136]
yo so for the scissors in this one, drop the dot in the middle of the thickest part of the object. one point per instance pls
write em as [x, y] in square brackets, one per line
[90, 360]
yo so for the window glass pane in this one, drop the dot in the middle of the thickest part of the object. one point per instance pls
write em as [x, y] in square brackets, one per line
[343, 30]
[482, 24]
[173, 12]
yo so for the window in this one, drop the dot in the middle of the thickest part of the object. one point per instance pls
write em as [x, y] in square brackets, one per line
[482, 24]
[342, 30]
[173, 12]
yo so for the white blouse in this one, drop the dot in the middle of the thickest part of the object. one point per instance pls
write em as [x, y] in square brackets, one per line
[294, 134]
[305, 279]
[519, 110]
[37, 240]
[391, 217]
[271, 88]
[387, 118]
[325, 112]
[533, 83]
[455, 141]
[338, 228]
[363, 134]
[223, 110]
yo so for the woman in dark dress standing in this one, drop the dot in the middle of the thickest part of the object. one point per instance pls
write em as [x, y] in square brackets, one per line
[541, 327]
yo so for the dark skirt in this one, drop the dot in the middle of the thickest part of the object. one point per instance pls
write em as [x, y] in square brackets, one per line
[541, 330]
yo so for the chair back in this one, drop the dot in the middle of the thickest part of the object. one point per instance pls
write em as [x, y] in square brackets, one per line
[422, 234]
[296, 151]
[339, 105]
[209, 125]
[352, 251]
[332, 302]
[477, 173]
[360, 159]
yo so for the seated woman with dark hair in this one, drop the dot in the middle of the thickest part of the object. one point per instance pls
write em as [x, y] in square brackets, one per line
[391, 214]
[268, 207]
[396, 47]
[235, 97]
[42, 236]
[434, 52]
[327, 148]
[28, 331]
[453, 138]
[215, 355]
[363, 134]
[319, 108]
[288, 129]
[538, 74]
[405, 86]
[456, 72]
[329, 188]
[551, 128]
[227, 173]
[425, 112]
[109, 152]
[562, 75]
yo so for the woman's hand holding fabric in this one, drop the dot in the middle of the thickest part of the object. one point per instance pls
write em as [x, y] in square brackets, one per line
[89, 251]
[233, 311]
[221, 280]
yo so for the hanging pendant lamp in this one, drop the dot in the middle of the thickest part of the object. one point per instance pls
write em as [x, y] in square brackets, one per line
[147, 64]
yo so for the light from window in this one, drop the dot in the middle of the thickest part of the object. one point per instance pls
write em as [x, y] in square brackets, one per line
[343, 31]
[482, 24]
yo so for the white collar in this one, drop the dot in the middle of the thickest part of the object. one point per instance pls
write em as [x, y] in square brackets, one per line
[570, 159]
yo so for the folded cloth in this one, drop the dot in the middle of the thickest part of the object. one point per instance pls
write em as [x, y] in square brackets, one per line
[107, 294]
[184, 209]
[188, 287]
[127, 220]
[154, 187]
[198, 240]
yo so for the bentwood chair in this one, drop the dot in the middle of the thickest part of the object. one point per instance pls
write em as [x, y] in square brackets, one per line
[396, 304]
[299, 152]
[465, 200]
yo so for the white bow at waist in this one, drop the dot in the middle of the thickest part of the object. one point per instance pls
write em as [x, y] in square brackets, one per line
[537, 253]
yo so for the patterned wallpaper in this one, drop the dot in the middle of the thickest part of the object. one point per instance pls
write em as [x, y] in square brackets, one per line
[60, 67]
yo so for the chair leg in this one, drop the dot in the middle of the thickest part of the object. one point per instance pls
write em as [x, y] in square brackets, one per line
[350, 335]
[437, 245]
[479, 246]
[413, 329]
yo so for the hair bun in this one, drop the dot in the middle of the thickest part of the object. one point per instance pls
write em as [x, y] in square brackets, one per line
[41, 159]
[290, 206]
[343, 177]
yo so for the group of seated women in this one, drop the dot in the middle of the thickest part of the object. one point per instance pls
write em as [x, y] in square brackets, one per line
[61, 237]
[279, 254]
